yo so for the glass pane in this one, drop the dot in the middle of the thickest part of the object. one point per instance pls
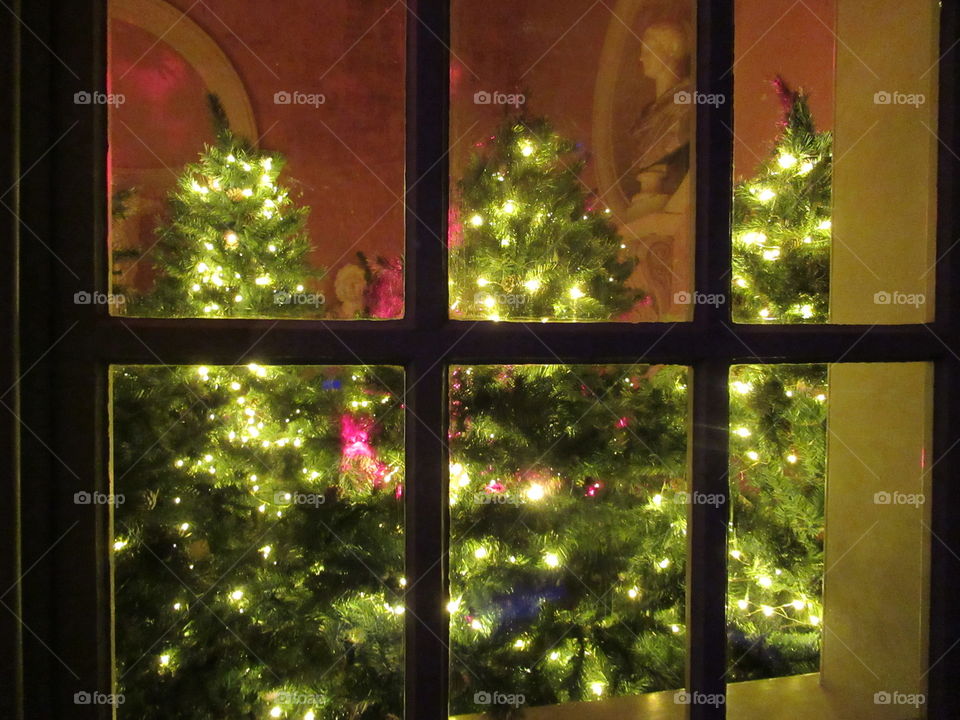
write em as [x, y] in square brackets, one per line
[778, 425]
[258, 541]
[568, 549]
[830, 106]
[572, 190]
[256, 160]
[829, 542]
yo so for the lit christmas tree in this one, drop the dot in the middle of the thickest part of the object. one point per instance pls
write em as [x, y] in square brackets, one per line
[782, 228]
[235, 244]
[528, 244]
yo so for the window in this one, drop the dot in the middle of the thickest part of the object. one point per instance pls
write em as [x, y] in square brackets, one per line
[539, 479]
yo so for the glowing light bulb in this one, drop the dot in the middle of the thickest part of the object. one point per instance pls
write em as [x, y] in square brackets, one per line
[657, 499]
[825, 225]
[263, 280]
[509, 207]
[791, 458]
[520, 643]
[489, 301]
[664, 564]
[596, 688]
[743, 432]
[806, 311]
[675, 628]
[202, 267]
[814, 620]
[535, 492]
[576, 293]
[237, 595]
[743, 604]
[753, 238]
[552, 559]
[736, 554]
[771, 254]
[766, 195]
[554, 655]
[482, 282]
[119, 545]
[532, 285]
[453, 606]
[526, 150]
[276, 711]
[786, 161]
[765, 313]
[821, 398]
[309, 715]
[480, 553]
[798, 604]
[247, 192]
[165, 659]
[741, 387]
[765, 581]
[476, 220]
[805, 167]
[632, 593]
[767, 610]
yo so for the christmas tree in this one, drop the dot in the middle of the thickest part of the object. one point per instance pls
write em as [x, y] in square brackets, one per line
[235, 244]
[527, 243]
[782, 228]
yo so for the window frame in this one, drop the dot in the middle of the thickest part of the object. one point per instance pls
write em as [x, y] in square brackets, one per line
[57, 429]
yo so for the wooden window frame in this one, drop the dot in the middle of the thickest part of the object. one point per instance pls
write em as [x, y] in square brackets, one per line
[56, 427]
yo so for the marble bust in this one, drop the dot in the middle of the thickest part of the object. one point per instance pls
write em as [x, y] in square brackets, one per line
[662, 133]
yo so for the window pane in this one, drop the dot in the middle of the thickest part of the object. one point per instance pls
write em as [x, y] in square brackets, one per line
[778, 425]
[256, 159]
[572, 178]
[829, 545]
[568, 550]
[835, 161]
[258, 541]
